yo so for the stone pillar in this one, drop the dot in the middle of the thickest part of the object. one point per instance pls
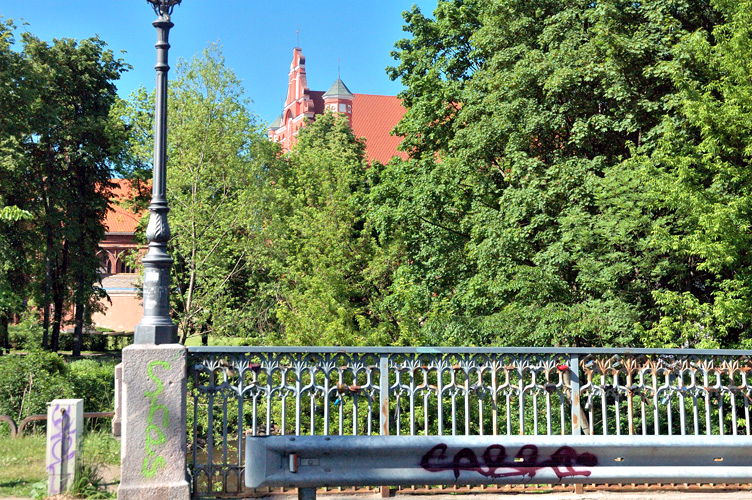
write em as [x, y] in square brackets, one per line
[153, 442]
[65, 427]
[117, 420]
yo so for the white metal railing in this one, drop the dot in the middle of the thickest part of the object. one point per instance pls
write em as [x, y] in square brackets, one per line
[250, 391]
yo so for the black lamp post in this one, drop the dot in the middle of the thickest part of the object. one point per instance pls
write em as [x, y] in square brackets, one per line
[156, 327]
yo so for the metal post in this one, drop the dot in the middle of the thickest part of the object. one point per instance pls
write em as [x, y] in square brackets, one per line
[384, 394]
[574, 385]
[384, 406]
[574, 381]
[156, 327]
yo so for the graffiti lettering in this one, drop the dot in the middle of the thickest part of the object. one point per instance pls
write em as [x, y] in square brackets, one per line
[154, 434]
[494, 464]
[61, 448]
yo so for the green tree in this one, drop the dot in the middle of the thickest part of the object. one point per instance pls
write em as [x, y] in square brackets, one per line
[703, 170]
[14, 241]
[58, 153]
[321, 248]
[527, 210]
[218, 163]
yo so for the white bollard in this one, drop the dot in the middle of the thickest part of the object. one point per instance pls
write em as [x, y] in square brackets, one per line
[65, 427]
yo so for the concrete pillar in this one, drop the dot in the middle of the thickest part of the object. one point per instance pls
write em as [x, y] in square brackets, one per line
[153, 442]
[65, 427]
[117, 420]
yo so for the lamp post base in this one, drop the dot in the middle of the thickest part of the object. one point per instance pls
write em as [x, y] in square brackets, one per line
[156, 334]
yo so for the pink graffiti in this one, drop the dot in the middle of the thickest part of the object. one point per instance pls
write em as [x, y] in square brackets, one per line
[62, 440]
[493, 462]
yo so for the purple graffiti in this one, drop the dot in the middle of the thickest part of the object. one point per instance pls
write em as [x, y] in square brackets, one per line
[494, 464]
[62, 440]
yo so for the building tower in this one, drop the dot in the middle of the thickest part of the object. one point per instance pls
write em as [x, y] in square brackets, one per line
[339, 99]
[298, 104]
[371, 117]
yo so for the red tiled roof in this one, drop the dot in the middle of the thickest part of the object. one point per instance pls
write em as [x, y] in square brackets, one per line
[120, 219]
[374, 117]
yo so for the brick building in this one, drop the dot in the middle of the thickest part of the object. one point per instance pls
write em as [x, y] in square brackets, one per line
[371, 116]
[118, 277]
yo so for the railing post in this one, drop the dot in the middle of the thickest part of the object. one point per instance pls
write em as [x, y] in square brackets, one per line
[574, 381]
[384, 406]
[384, 394]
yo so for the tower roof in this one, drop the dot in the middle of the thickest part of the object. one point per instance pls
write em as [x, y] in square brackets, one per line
[277, 123]
[339, 89]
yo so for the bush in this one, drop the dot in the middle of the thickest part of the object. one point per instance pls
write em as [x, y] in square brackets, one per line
[26, 335]
[28, 383]
[94, 382]
[89, 342]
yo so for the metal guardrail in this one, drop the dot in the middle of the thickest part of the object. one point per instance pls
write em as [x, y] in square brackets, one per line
[237, 392]
[327, 461]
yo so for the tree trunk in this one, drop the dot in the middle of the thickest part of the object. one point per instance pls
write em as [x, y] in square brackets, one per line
[78, 330]
[56, 322]
[80, 298]
[4, 340]
[58, 299]
[47, 254]
[47, 294]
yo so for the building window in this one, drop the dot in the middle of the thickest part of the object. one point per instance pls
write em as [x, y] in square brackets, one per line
[343, 108]
[124, 268]
[105, 265]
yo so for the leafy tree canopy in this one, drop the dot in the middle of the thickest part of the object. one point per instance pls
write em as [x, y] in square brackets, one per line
[577, 173]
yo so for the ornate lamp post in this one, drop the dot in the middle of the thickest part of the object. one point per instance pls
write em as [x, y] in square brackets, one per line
[156, 327]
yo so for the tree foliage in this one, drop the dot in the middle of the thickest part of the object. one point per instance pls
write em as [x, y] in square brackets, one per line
[323, 251]
[577, 173]
[218, 160]
[59, 144]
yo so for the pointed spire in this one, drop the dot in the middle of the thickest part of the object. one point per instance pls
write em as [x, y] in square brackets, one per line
[277, 123]
[339, 90]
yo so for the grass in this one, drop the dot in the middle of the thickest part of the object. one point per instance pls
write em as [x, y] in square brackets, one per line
[101, 448]
[22, 460]
[21, 464]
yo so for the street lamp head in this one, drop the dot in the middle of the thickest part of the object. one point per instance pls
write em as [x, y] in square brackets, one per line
[163, 7]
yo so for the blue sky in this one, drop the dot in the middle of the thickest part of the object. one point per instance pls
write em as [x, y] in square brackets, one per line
[257, 38]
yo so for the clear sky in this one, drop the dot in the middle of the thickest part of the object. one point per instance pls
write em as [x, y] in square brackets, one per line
[257, 37]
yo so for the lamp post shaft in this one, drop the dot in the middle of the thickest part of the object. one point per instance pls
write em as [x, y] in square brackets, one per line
[157, 327]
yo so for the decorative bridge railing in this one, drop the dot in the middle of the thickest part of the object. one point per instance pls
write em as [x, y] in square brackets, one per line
[236, 392]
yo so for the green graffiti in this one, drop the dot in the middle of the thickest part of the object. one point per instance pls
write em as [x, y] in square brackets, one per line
[154, 434]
